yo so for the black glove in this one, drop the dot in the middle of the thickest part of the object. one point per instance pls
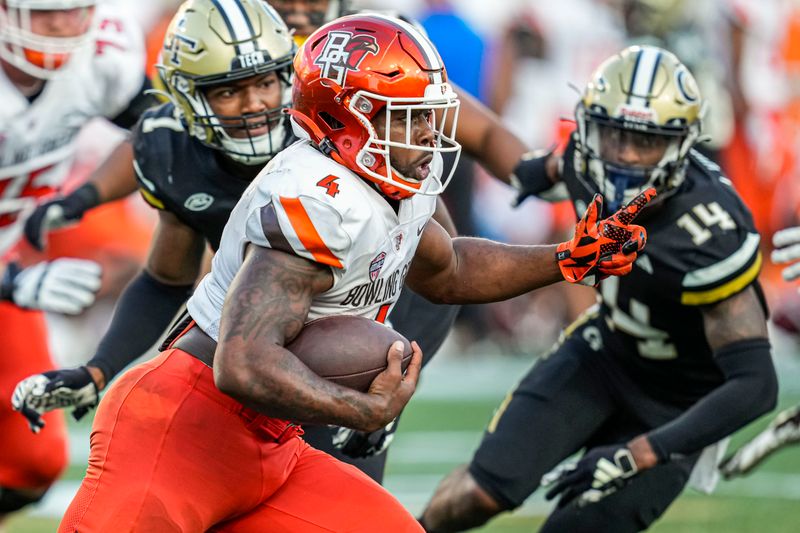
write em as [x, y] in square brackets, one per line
[59, 213]
[530, 175]
[600, 472]
[38, 394]
[359, 445]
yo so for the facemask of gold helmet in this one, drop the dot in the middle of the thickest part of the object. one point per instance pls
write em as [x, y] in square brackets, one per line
[637, 120]
[212, 42]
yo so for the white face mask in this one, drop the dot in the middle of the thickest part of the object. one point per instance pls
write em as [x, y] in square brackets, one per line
[440, 98]
[38, 55]
[255, 150]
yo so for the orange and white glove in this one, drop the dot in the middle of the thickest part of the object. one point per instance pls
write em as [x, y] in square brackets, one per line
[605, 248]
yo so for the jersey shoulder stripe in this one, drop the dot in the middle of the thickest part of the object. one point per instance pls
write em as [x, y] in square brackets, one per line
[307, 233]
[150, 124]
[272, 229]
[147, 188]
[716, 282]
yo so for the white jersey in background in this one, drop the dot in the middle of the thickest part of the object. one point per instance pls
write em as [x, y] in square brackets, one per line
[305, 204]
[37, 140]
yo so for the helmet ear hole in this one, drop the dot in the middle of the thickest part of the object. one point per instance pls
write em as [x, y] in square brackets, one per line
[331, 121]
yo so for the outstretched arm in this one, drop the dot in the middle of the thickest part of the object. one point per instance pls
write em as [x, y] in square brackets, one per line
[266, 307]
[144, 310]
[470, 270]
[486, 139]
[112, 180]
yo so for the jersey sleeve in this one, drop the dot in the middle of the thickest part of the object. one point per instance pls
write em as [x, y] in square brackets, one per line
[727, 275]
[151, 154]
[304, 226]
[119, 58]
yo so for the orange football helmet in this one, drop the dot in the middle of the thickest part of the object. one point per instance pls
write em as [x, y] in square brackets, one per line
[38, 54]
[357, 66]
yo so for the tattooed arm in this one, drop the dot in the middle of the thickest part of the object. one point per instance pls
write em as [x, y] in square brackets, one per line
[266, 307]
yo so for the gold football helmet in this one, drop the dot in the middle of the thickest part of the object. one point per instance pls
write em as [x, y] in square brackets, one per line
[646, 99]
[209, 42]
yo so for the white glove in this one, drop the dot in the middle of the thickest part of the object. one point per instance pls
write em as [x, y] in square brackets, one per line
[787, 250]
[782, 431]
[65, 286]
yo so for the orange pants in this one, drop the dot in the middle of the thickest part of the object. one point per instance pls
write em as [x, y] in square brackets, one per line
[27, 461]
[169, 453]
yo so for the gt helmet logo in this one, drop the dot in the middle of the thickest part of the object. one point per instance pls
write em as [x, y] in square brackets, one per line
[176, 40]
[344, 52]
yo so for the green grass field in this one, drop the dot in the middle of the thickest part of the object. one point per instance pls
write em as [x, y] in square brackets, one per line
[443, 424]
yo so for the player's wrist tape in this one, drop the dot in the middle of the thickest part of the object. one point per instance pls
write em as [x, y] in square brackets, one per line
[530, 174]
[7, 282]
[751, 389]
[83, 198]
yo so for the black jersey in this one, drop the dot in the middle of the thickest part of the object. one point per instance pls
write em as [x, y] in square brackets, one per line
[702, 247]
[179, 174]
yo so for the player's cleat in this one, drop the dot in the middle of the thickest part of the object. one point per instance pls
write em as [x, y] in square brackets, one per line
[783, 431]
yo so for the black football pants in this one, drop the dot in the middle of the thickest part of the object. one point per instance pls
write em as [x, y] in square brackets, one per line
[571, 400]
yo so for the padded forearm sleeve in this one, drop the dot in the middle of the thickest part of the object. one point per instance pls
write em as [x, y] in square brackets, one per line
[750, 390]
[144, 311]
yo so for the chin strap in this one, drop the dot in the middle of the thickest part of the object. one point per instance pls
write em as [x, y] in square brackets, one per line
[323, 143]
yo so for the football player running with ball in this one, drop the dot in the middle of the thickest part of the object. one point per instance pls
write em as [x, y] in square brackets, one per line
[62, 63]
[673, 359]
[194, 171]
[357, 191]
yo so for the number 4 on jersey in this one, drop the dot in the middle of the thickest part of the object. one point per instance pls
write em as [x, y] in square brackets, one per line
[329, 184]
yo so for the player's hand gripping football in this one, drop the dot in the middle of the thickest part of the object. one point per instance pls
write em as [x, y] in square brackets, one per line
[787, 250]
[782, 432]
[604, 248]
[66, 286]
[600, 472]
[392, 389]
[56, 389]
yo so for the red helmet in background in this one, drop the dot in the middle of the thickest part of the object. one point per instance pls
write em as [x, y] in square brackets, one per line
[357, 66]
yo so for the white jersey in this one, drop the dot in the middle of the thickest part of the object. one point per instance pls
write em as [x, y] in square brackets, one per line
[37, 140]
[305, 204]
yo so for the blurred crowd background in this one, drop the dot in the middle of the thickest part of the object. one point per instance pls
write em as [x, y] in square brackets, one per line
[526, 59]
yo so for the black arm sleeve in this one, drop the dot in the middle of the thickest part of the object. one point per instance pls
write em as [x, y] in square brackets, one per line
[144, 311]
[750, 390]
[140, 103]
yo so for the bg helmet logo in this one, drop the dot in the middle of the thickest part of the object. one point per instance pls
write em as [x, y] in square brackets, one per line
[344, 52]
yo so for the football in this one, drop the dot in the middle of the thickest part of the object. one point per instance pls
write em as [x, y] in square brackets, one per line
[348, 350]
